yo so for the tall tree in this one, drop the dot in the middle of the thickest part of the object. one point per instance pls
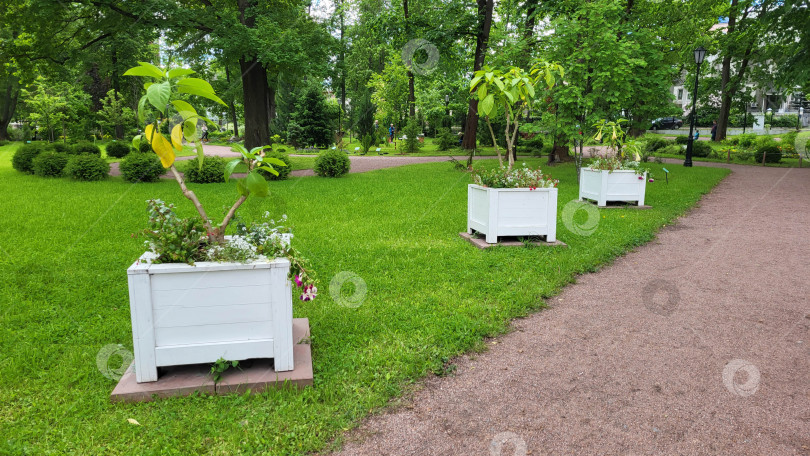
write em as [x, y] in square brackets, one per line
[485, 8]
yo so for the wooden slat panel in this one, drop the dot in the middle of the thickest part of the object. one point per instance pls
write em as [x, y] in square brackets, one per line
[206, 297]
[175, 316]
[231, 332]
[208, 353]
[212, 279]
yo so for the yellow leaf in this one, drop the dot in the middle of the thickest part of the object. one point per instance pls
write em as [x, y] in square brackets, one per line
[163, 148]
[133, 421]
[177, 137]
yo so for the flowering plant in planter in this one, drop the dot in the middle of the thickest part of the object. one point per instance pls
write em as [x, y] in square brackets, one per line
[172, 239]
[503, 177]
[622, 149]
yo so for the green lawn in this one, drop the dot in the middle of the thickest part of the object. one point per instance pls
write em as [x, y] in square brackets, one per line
[65, 245]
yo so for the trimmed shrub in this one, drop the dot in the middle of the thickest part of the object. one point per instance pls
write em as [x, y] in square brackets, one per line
[87, 167]
[3, 142]
[445, 139]
[771, 151]
[118, 149]
[283, 171]
[49, 164]
[23, 158]
[213, 170]
[701, 149]
[681, 139]
[141, 168]
[145, 147]
[332, 163]
[534, 144]
[60, 147]
[656, 142]
[86, 148]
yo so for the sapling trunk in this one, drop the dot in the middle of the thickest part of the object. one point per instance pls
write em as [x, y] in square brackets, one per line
[495, 142]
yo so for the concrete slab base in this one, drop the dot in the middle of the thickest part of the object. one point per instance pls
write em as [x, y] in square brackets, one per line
[617, 205]
[509, 241]
[255, 375]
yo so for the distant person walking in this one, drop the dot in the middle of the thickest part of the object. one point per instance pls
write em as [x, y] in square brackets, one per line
[714, 129]
[205, 133]
[391, 131]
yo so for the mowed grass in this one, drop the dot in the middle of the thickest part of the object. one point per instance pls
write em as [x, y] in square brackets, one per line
[65, 246]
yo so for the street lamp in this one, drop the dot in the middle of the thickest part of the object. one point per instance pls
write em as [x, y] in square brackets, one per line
[799, 120]
[449, 123]
[700, 53]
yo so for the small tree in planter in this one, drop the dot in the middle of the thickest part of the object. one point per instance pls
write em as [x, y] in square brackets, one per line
[198, 296]
[614, 176]
[507, 92]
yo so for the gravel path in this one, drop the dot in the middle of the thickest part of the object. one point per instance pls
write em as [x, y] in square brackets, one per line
[697, 343]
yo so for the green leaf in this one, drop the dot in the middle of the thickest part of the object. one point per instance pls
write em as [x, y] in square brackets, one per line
[230, 167]
[145, 69]
[487, 104]
[136, 142]
[242, 188]
[274, 161]
[268, 169]
[200, 154]
[158, 95]
[498, 83]
[257, 184]
[510, 96]
[200, 93]
[142, 110]
[482, 92]
[474, 82]
[177, 72]
[190, 130]
[184, 109]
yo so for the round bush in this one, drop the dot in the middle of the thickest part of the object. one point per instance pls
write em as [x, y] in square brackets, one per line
[332, 163]
[654, 143]
[62, 148]
[117, 149]
[672, 149]
[86, 148]
[86, 167]
[681, 139]
[49, 164]
[701, 149]
[746, 140]
[23, 158]
[283, 171]
[771, 151]
[145, 147]
[141, 168]
[213, 170]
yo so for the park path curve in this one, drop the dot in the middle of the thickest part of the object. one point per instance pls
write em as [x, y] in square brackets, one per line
[696, 343]
[360, 164]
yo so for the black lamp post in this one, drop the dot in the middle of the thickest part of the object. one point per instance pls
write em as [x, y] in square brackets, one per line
[799, 118]
[700, 53]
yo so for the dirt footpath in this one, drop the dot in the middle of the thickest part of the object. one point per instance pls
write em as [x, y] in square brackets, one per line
[697, 343]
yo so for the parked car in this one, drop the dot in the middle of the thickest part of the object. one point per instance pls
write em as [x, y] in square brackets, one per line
[666, 123]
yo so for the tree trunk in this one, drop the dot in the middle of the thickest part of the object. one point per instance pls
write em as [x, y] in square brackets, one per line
[231, 104]
[257, 106]
[482, 41]
[411, 89]
[9, 94]
[255, 90]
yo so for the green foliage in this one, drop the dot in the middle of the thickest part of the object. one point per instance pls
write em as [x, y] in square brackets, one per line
[212, 170]
[87, 167]
[701, 149]
[533, 145]
[446, 140]
[283, 171]
[332, 163]
[681, 139]
[771, 152]
[86, 148]
[144, 147]
[117, 149]
[174, 239]
[783, 121]
[49, 164]
[411, 132]
[312, 118]
[221, 366]
[141, 168]
[23, 158]
[746, 140]
[61, 148]
[366, 142]
[673, 149]
[653, 143]
[114, 114]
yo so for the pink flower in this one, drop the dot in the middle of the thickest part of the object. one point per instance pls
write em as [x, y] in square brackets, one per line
[310, 292]
[652, 180]
[640, 177]
[298, 281]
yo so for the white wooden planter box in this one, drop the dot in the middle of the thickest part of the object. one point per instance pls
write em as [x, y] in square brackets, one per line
[183, 314]
[512, 212]
[603, 186]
